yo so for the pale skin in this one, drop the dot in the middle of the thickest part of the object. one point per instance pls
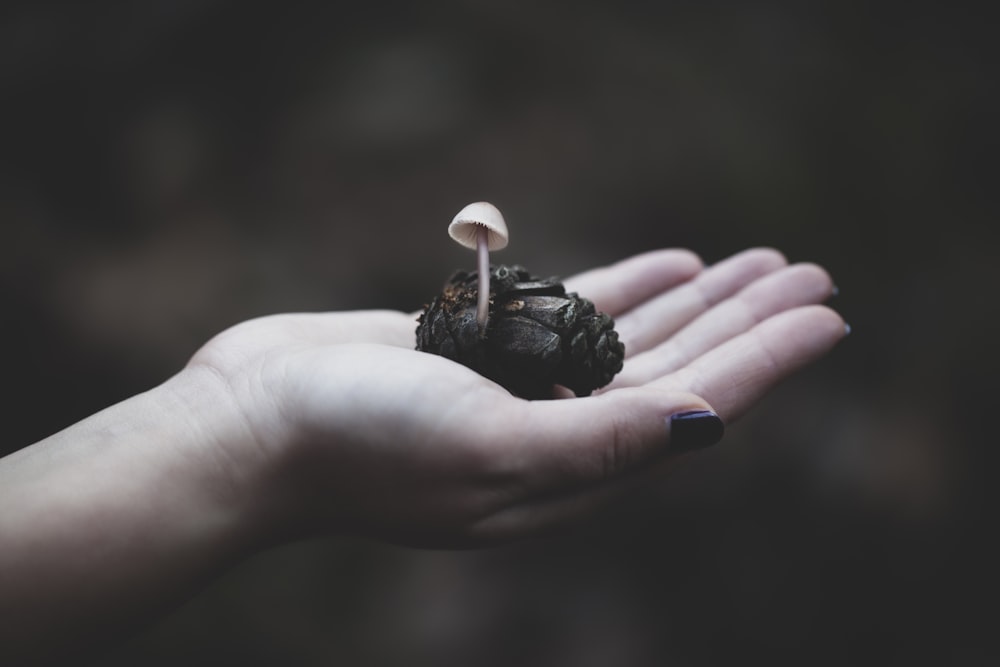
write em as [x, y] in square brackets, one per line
[323, 424]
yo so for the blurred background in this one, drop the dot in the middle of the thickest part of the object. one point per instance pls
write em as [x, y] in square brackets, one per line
[170, 168]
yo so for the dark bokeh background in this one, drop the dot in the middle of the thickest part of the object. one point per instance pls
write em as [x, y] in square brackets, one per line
[169, 168]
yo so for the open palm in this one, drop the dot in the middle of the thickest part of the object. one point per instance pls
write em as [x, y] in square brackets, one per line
[368, 435]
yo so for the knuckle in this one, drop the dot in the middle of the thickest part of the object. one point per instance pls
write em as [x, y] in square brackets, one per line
[618, 454]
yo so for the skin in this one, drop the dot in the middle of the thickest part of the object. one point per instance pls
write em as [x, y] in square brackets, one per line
[323, 424]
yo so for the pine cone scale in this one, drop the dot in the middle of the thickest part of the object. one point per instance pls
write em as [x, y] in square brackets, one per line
[536, 336]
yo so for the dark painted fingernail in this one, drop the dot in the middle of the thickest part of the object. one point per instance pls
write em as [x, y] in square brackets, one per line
[694, 430]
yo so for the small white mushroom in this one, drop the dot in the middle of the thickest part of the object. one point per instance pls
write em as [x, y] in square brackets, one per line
[481, 226]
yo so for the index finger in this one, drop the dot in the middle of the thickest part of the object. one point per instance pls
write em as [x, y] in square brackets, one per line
[617, 288]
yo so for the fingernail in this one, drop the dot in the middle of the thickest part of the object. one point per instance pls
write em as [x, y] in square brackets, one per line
[835, 292]
[847, 329]
[694, 430]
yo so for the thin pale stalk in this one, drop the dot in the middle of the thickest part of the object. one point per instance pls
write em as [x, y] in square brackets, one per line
[483, 253]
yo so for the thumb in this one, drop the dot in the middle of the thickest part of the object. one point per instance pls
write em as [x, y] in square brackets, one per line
[600, 438]
[576, 455]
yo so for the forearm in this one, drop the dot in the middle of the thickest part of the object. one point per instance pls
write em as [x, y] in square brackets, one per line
[122, 515]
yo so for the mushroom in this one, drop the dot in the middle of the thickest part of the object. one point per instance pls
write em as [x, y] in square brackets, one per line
[480, 226]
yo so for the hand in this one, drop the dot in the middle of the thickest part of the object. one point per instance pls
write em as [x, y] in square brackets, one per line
[298, 424]
[360, 433]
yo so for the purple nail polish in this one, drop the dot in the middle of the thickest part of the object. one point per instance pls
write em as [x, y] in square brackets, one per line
[694, 430]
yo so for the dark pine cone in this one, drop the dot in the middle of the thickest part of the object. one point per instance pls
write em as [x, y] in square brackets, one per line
[536, 336]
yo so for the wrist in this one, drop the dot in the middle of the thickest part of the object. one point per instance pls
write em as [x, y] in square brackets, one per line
[237, 452]
[126, 512]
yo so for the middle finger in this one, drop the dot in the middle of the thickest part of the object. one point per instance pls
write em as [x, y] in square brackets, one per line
[656, 320]
[791, 287]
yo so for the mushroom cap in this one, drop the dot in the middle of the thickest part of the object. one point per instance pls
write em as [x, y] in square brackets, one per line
[465, 227]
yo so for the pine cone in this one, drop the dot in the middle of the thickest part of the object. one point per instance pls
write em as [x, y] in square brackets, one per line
[536, 336]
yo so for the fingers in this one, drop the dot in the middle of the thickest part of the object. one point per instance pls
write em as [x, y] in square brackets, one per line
[619, 287]
[652, 322]
[736, 374]
[783, 289]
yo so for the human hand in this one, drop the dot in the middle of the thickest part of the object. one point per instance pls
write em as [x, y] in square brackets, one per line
[354, 431]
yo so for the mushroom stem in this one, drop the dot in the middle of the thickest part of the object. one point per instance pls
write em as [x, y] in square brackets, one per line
[483, 253]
